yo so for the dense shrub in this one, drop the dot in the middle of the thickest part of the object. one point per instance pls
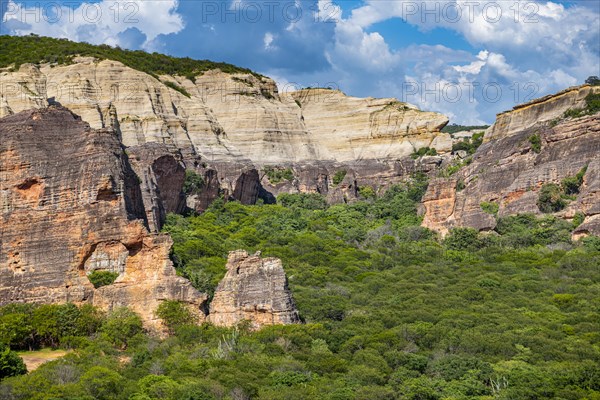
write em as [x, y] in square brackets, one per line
[174, 314]
[551, 198]
[424, 151]
[101, 278]
[10, 363]
[470, 145]
[490, 207]
[277, 175]
[536, 143]
[193, 184]
[390, 312]
[308, 201]
[339, 176]
[121, 327]
[28, 326]
[571, 184]
[463, 239]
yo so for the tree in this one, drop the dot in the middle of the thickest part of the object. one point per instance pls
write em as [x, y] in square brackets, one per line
[593, 80]
[463, 239]
[551, 198]
[174, 314]
[102, 383]
[10, 363]
[121, 325]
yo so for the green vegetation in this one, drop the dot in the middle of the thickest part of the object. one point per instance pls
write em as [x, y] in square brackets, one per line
[17, 50]
[551, 198]
[174, 314]
[453, 128]
[571, 184]
[28, 326]
[424, 151]
[339, 176]
[536, 143]
[455, 167]
[593, 80]
[367, 192]
[10, 363]
[267, 94]
[490, 207]
[578, 219]
[193, 184]
[177, 88]
[554, 198]
[102, 278]
[391, 312]
[245, 81]
[592, 102]
[470, 145]
[308, 201]
[278, 174]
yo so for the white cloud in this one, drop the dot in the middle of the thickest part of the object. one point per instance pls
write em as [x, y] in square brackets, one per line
[524, 48]
[268, 41]
[96, 23]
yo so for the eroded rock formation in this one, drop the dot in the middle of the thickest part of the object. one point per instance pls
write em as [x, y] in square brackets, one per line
[71, 204]
[253, 289]
[233, 123]
[508, 170]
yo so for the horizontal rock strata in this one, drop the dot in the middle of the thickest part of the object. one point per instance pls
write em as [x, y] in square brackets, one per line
[509, 171]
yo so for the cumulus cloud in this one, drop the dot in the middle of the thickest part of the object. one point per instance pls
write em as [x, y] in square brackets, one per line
[106, 22]
[521, 49]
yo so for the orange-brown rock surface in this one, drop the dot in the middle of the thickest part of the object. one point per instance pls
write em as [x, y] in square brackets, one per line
[253, 289]
[71, 203]
[507, 169]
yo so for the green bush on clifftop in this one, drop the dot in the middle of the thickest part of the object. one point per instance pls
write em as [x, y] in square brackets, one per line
[18, 50]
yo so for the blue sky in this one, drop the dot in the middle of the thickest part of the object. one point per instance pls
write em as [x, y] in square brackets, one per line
[467, 59]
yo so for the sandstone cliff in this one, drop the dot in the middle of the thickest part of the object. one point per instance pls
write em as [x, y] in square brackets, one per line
[71, 204]
[509, 170]
[538, 111]
[253, 289]
[223, 125]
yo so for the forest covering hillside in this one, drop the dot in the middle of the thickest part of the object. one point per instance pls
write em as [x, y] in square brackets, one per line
[18, 50]
[390, 311]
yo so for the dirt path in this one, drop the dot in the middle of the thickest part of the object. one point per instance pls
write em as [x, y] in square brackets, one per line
[33, 359]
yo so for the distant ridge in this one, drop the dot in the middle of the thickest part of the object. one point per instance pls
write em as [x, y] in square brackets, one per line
[18, 50]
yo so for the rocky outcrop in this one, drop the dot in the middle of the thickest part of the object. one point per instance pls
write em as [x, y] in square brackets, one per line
[253, 289]
[223, 125]
[162, 174]
[71, 203]
[509, 170]
[538, 111]
[349, 129]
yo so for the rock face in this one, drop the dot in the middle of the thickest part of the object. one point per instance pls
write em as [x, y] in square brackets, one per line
[253, 289]
[508, 171]
[233, 123]
[71, 204]
[349, 129]
[538, 111]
